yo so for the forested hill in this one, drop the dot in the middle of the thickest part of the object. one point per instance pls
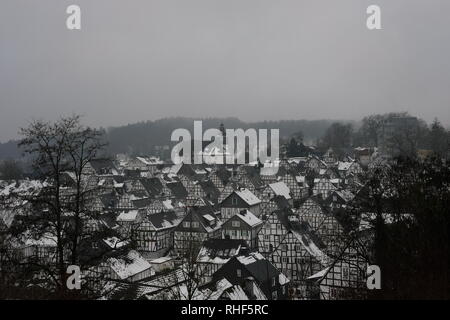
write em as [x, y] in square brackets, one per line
[142, 137]
[10, 150]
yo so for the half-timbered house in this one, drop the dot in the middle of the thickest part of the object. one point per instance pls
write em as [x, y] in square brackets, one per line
[199, 224]
[243, 226]
[239, 200]
[293, 247]
[214, 253]
[153, 236]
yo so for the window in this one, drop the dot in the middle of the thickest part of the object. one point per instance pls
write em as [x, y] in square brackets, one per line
[234, 201]
[186, 224]
[195, 224]
[236, 224]
[239, 273]
[284, 247]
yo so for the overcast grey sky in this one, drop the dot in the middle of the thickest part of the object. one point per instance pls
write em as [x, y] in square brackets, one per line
[253, 59]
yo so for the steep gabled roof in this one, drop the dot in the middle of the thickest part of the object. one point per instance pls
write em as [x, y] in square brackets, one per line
[163, 220]
[153, 186]
[248, 196]
[177, 189]
[220, 250]
[303, 233]
[249, 218]
[129, 265]
[259, 267]
[280, 189]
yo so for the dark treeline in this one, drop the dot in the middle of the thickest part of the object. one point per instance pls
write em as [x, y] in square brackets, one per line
[407, 138]
[141, 138]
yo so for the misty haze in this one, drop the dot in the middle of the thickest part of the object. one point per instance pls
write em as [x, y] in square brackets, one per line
[134, 155]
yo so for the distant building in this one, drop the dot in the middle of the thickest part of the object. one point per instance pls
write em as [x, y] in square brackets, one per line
[398, 136]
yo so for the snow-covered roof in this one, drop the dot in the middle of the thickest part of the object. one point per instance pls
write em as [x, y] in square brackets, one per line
[311, 247]
[225, 289]
[235, 293]
[164, 219]
[282, 279]
[7, 216]
[297, 160]
[46, 240]
[219, 251]
[346, 195]
[269, 171]
[300, 179]
[160, 260]
[127, 267]
[319, 274]
[248, 197]
[281, 189]
[221, 286]
[249, 218]
[344, 166]
[114, 242]
[168, 204]
[127, 216]
[23, 187]
[251, 258]
[209, 217]
[257, 292]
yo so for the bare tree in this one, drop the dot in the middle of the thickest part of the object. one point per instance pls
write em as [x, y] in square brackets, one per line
[60, 212]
